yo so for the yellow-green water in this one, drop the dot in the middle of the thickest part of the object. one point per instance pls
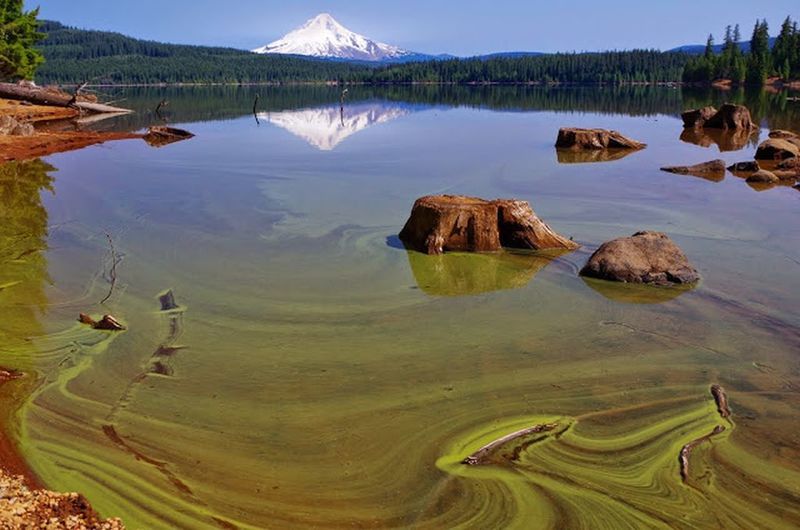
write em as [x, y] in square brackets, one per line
[318, 376]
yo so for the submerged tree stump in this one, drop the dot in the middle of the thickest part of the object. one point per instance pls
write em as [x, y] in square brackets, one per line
[440, 223]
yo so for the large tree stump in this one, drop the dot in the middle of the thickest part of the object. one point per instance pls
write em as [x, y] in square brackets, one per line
[442, 223]
[576, 138]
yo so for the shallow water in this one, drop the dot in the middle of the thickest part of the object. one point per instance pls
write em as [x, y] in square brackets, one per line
[316, 374]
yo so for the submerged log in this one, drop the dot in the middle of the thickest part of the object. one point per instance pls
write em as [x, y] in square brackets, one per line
[485, 454]
[440, 223]
[686, 451]
[721, 400]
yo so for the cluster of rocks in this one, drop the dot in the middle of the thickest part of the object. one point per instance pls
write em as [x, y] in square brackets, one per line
[780, 153]
[442, 223]
[9, 126]
[728, 117]
[24, 508]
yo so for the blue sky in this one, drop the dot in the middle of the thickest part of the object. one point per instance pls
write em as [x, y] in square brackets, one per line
[430, 26]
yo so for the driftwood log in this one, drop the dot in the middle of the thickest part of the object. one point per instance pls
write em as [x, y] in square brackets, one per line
[521, 440]
[440, 223]
[686, 451]
[53, 98]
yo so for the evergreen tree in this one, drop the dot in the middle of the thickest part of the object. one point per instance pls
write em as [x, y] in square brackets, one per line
[19, 33]
[759, 63]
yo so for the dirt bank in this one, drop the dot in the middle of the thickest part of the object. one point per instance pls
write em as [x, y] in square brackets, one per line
[23, 502]
[43, 143]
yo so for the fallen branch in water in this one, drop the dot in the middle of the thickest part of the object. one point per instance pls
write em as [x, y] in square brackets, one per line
[686, 451]
[485, 453]
[113, 272]
[722, 401]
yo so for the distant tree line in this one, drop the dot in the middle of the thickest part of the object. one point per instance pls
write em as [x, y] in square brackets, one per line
[75, 56]
[753, 66]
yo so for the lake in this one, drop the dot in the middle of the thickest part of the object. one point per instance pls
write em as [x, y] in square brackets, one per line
[314, 374]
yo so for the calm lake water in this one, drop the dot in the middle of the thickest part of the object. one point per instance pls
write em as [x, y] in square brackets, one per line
[317, 375]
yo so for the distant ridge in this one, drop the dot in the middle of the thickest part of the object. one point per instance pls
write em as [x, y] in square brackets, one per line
[697, 49]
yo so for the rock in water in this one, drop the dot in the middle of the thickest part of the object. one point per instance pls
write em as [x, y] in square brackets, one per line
[777, 149]
[730, 117]
[440, 223]
[576, 138]
[781, 134]
[697, 117]
[714, 169]
[645, 257]
[751, 166]
[763, 176]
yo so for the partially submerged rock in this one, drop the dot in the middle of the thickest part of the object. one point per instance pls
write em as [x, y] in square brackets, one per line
[751, 166]
[713, 170]
[697, 117]
[107, 323]
[777, 149]
[645, 257]
[440, 223]
[577, 138]
[160, 136]
[730, 116]
[762, 176]
[782, 134]
[789, 163]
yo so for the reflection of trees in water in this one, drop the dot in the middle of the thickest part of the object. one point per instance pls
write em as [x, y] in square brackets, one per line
[23, 239]
[209, 103]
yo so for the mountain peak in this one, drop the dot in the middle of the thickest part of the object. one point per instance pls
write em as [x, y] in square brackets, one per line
[322, 36]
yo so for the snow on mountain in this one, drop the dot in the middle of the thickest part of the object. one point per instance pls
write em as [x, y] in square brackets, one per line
[323, 36]
[326, 127]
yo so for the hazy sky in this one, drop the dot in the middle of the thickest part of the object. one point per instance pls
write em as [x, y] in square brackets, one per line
[430, 26]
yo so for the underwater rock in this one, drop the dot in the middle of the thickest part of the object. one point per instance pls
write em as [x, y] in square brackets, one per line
[645, 257]
[714, 170]
[777, 149]
[697, 117]
[107, 323]
[440, 223]
[576, 156]
[577, 138]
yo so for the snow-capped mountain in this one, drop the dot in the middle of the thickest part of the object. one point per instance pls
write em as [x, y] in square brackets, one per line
[324, 37]
[326, 127]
